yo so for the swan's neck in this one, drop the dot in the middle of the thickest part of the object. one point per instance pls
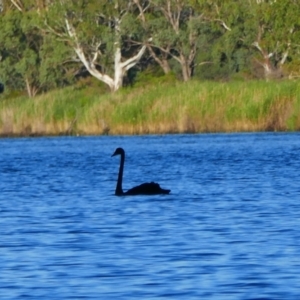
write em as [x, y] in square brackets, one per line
[119, 190]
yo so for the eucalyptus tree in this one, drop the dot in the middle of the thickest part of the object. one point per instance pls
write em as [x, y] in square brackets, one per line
[29, 59]
[174, 28]
[232, 30]
[266, 31]
[277, 34]
[20, 43]
[154, 24]
[101, 34]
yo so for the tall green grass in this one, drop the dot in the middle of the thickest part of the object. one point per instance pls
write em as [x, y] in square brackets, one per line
[167, 107]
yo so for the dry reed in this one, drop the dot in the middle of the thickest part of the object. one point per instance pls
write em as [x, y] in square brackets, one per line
[167, 108]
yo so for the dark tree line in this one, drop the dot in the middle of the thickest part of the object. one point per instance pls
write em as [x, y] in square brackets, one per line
[45, 44]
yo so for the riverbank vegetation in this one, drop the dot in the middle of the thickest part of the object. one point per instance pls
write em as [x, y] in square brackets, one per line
[165, 107]
[154, 66]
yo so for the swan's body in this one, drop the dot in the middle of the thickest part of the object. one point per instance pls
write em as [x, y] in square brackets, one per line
[150, 188]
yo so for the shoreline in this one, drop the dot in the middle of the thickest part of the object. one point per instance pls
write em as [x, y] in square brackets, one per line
[40, 135]
[168, 108]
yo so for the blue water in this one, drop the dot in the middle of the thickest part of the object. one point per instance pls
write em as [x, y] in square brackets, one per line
[230, 229]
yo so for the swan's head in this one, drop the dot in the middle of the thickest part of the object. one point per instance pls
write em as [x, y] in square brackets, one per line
[119, 151]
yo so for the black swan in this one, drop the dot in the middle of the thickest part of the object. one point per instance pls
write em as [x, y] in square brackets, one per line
[151, 188]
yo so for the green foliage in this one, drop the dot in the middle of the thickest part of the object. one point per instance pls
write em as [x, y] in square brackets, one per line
[12, 38]
[31, 60]
[154, 76]
[215, 38]
[168, 107]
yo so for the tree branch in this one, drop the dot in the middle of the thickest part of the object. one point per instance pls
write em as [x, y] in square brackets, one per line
[90, 66]
[129, 63]
[17, 5]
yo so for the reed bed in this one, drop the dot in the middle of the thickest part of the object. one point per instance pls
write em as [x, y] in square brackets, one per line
[174, 107]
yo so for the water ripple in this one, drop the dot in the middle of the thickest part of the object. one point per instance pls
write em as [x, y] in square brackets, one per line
[228, 230]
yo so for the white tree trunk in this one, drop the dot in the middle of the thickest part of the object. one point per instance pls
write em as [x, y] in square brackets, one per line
[270, 70]
[120, 68]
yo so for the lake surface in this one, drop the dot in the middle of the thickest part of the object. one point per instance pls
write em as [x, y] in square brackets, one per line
[230, 229]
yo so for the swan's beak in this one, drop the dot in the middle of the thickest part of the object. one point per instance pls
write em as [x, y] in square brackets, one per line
[114, 154]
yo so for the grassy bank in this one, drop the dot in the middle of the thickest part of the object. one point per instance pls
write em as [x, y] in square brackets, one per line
[164, 108]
